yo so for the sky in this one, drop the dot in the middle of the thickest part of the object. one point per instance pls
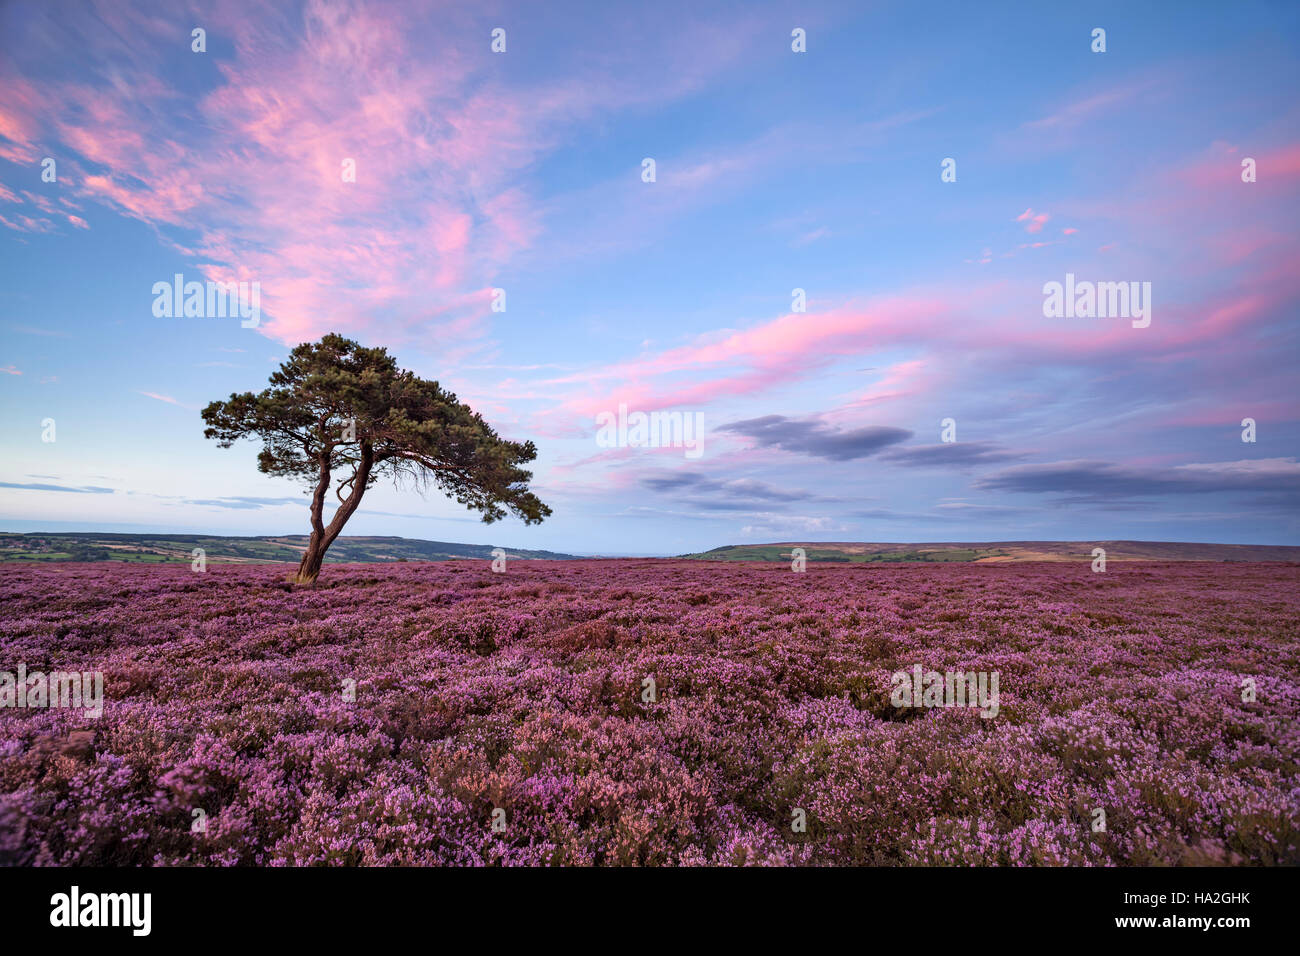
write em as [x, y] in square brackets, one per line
[839, 267]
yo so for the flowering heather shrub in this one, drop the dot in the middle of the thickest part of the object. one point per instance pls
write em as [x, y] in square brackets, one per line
[523, 691]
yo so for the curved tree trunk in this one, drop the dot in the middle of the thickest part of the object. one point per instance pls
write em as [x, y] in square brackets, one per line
[309, 566]
[322, 535]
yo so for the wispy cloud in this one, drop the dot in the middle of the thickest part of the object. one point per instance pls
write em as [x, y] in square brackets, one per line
[244, 502]
[166, 398]
[84, 489]
[816, 438]
[951, 454]
[1093, 479]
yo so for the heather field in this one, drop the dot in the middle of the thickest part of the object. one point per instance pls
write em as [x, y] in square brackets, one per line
[523, 692]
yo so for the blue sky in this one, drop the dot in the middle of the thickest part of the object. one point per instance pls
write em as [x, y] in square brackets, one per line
[775, 171]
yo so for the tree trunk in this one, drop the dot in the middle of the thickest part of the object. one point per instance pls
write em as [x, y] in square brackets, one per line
[321, 535]
[309, 566]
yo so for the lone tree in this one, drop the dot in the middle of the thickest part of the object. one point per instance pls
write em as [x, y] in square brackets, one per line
[336, 407]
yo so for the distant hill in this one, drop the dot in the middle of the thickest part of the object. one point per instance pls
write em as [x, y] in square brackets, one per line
[163, 548]
[1000, 551]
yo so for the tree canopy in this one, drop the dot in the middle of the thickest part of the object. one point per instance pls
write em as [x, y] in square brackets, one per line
[336, 408]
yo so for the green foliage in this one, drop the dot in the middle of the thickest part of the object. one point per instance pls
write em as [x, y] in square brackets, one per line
[337, 406]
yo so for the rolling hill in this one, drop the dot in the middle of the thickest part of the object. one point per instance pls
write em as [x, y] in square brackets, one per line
[999, 551]
[168, 548]
[164, 548]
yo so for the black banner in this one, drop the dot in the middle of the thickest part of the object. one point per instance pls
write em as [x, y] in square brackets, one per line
[336, 905]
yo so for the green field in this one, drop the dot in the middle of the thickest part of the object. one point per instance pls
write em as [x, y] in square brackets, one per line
[167, 548]
[781, 552]
[998, 551]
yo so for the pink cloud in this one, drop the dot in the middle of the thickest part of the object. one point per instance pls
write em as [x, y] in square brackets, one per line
[1072, 114]
[162, 398]
[1065, 119]
[19, 108]
[437, 143]
[1222, 166]
[21, 223]
[993, 320]
[1035, 220]
[905, 379]
[732, 364]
